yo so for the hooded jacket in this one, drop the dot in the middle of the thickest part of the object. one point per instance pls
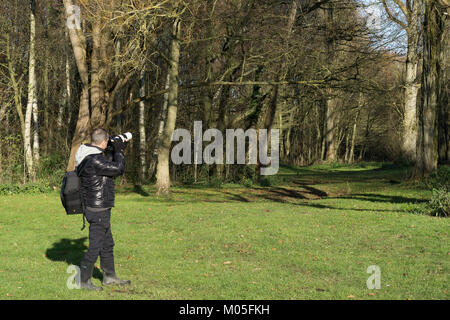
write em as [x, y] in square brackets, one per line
[97, 172]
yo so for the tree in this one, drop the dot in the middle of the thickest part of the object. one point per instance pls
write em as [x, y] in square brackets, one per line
[100, 81]
[142, 140]
[78, 42]
[410, 22]
[162, 169]
[435, 14]
[31, 151]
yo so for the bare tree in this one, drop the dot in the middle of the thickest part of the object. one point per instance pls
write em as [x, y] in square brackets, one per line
[162, 170]
[410, 22]
[142, 140]
[31, 156]
[78, 42]
[436, 13]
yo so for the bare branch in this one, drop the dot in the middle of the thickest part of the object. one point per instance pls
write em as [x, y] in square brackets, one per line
[392, 17]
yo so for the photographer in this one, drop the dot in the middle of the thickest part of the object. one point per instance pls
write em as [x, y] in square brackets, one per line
[97, 172]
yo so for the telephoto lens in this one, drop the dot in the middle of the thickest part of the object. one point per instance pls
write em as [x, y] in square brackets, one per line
[126, 135]
[123, 136]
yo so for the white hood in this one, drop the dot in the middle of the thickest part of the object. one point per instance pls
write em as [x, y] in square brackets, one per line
[84, 151]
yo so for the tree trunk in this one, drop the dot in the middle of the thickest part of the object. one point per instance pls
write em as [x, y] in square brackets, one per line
[269, 112]
[97, 95]
[48, 129]
[162, 170]
[287, 143]
[347, 146]
[142, 140]
[16, 86]
[330, 132]
[31, 103]
[410, 23]
[411, 86]
[78, 42]
[162, 121]
[331, 99]
[352, 147]
[409, 121]
[36, 149]
[444, 91]
[67, 94]
[433, 27]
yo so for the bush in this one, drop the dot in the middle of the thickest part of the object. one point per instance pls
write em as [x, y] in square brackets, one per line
[36, 187]
[246, 182]
[215, 182]
[187, 179]
[439, 183]
[439, 204]
[51, 169]
[439, 180]
[265, 182]
[270, 181]
[29, 188]
[401, 162]
[7, 189]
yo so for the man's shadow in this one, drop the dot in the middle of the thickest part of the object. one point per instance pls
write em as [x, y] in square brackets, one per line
[70, 251]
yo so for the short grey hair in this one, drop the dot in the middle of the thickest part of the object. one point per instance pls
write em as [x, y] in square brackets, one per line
[98, 136]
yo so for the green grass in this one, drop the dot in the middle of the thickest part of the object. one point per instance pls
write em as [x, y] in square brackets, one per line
[311, 236]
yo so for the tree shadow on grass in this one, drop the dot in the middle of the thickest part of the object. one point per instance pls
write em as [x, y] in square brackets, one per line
[322, 206]
[276, 194]
[371, 197]
[311, 195]
[70, 251]
[139, 190]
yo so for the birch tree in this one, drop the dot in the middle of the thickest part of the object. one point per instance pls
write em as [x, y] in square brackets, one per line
[31, 157]
[142, 139]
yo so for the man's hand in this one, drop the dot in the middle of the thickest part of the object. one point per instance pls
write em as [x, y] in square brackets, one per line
[119, 145]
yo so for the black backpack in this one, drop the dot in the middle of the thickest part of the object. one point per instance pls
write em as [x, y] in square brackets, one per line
[71, 195]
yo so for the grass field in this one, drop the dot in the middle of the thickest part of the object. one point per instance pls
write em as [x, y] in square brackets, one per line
[311, 236]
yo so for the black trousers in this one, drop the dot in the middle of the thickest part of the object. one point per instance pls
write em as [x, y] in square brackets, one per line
[101, 242]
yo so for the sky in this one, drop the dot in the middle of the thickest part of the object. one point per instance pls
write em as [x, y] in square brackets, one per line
[392, 37]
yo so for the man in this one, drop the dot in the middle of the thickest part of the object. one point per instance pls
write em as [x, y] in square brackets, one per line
[96, 172]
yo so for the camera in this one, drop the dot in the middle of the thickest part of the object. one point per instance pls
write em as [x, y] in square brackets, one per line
[122, 137]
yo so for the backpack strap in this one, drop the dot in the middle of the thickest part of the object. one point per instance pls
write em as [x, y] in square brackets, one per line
[84, 222]
[81, 194]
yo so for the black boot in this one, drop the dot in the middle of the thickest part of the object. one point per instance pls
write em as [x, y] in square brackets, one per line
[109, 273]
[86, 271]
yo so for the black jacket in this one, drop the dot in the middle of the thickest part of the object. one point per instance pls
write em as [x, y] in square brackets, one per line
[96, 172]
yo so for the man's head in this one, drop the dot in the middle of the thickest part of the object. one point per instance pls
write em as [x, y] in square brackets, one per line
[99, 138]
